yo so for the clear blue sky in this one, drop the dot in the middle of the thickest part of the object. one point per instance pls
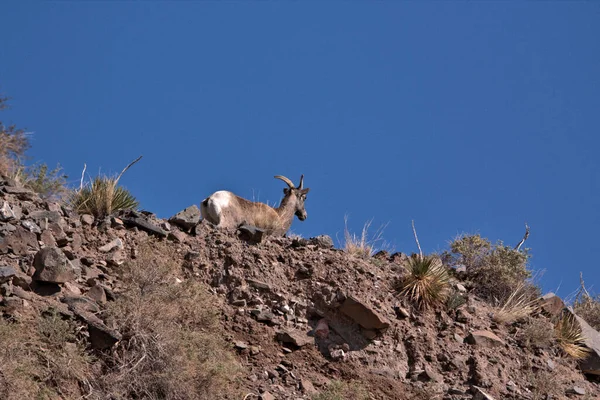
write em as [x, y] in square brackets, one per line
[466, 116]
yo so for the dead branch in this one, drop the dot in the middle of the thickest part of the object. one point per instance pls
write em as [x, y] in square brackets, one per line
[82, 176]
[518, 247]
[582, 289]
[127, 167]
[417, 239]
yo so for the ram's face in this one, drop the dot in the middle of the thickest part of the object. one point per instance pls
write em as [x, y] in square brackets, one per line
[300, 199]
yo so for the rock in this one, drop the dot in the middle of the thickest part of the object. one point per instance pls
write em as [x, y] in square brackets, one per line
[461, 269]
[114, 244]
[21, 241]
[177, 236]
[20, 192]
[463, 316]
[6, 273]
[578, 390]
[80, 303]
[298, 339]
[363, 315]
[484, 338]
[461, 288]
[59, 234]
[97, 293]
[240, 345]
[6, 213]
[551, 304]
[31, 226]
[117, 223]
[186, 219]
[401, 312]
[87, 219]
[551, 364]
[47, 238]
[51, 265]
[251, 234]
[322, 241]
[135, 219]
[263, 316]
[479, 394]
[267, 396]
[307, 387]
[258, 284]
[322, 329]
[116, 258]
[591, 364]
[41, 217]
[101, 336]
[429, 374]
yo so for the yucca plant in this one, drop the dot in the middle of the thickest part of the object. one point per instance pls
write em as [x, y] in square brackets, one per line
[570, 337]
[103, 196]
[426, 283]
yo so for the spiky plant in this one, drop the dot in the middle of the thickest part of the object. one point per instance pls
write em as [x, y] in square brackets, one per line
[426, 283]
[103, 197]
[570, 337]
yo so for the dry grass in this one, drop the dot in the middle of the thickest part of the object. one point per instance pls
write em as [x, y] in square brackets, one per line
[518, 305]
[427, 282]
[587, 306]
[171, 348]
[569, 336]
[363, 245]
[537, 333]
[13, 144]
[43, 358]
[543, 385]
[340, 390]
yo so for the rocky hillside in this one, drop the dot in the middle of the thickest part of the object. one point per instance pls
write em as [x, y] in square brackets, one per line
[89, 312]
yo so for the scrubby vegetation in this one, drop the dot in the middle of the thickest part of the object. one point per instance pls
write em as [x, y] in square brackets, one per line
[587, 306]
[102, 197]
[496, 270]
[13, 144]
[569, 336]
[363, 245]
[341, 390]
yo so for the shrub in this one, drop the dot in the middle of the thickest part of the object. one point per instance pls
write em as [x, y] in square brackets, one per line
[537, 333]
[49, 184]
[102, 197]
[340, 390]
[587, 306]
[496, 271]
[172, 345]
[13, 144]
[362, 246]
[426, 283]
[569, 336]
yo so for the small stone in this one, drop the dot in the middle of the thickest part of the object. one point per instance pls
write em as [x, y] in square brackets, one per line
[479, 394]
[578, 390]
[241, 345]
[186, 219]
[322, 329]
[296, 338]
[460, 287]
[484, 338]
[177, 236]
[117, 223]
[6, 273]
[322, 241]
[363, 314]
[87, 219]
[51, 265]
[6, 213]
[97, 293]
[551, 364]
[401, 312]
[31, 226]
[114, 244]
[116, 258]
[267, 396]
[307, 387]
[47, 238]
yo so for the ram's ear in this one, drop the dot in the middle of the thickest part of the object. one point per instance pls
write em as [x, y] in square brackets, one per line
[304, 191]
[286, 191]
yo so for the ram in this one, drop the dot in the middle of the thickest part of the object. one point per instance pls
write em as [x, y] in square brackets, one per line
[227, 210]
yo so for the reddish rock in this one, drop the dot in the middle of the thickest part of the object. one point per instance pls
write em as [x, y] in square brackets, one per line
[484, 338]
[363, 315]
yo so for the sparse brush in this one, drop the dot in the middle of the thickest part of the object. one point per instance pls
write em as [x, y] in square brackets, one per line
[517, 306]
[340, 390]
[49, 184]
[13, 144]
[426, 283]
[362, 245]
[570, 337]
[455, 300]
[537, 333]
[587, 306]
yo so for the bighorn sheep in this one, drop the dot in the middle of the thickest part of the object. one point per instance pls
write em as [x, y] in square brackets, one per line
[227, 210]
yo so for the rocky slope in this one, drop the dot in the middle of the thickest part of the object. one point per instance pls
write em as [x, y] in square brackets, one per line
[299, 314]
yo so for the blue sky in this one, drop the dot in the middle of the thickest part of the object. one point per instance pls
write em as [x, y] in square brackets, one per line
[464, 116]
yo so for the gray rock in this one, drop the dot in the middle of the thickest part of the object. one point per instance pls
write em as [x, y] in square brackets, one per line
[551, 304]
[31, 226]
[578, 390]
[20, 192]
[186, 219]
[322, 241]
[6, 273]
[6, 213]
[98, 294]
[177, 236]
[43, 216]
[363, 315]
[135, 219]
[51, 265]
[114, 244]
[87, 219]
[101, 336]
[591, 364]
[251, 233]
[21, 241]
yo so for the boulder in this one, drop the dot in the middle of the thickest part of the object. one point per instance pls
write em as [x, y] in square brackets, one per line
[363, 315]
[186, 219]
[591, 364]
[322, 241]
[551, 304]
[51, 265]
[297, 338]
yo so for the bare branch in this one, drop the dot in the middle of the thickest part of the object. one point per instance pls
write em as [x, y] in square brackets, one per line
[127, 167]
[518, 247]
[417, 239]
[82, 175]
